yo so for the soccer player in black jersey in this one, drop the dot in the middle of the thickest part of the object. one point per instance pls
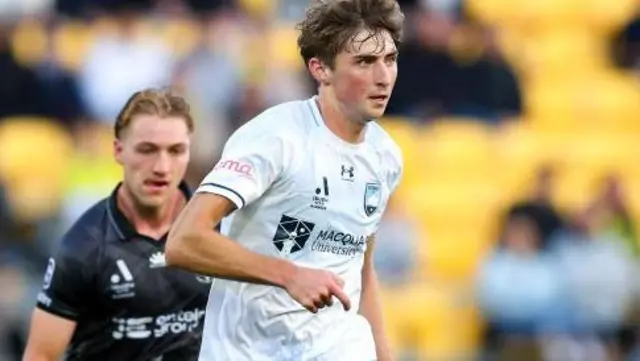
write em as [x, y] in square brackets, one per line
[107, 293]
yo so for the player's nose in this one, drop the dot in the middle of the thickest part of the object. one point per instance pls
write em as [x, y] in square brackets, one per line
[162, 164]
[382, 75]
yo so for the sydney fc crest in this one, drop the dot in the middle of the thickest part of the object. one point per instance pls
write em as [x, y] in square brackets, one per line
[371, 198]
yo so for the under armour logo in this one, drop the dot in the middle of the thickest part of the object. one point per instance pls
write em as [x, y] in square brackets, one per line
[347, 171]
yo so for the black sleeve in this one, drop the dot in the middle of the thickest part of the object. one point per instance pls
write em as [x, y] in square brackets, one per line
[68, 283]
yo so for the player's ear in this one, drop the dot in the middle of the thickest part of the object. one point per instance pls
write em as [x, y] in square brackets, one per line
[117, 150]
[319, 71]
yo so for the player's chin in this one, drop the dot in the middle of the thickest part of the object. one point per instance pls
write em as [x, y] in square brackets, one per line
[375, 113]
[153, 200]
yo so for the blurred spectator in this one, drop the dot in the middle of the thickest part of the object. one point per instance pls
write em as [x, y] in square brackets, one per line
[396, 246]
[119, 64]
[543, 186]
[450, 66]
[519, 290]
[20, 91]
[211, 79]
[599, 272]
[609, 215]
[627, 49]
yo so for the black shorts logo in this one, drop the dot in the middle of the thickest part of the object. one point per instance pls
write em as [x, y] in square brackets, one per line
[292, 234]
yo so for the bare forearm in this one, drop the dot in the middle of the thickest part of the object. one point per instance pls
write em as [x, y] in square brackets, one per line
[213, 254]
[371, 309]
[34, 356]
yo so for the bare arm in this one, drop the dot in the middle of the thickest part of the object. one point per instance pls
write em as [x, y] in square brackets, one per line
[194, 245]
[370, 304]
[49, 337]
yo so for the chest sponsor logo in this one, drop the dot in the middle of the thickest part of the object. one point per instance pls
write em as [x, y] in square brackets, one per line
[339, 243]
[140, 328]
[292, 234]
[372, 198]
[122, 282]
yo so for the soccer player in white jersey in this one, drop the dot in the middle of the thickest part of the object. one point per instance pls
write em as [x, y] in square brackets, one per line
[300, 191]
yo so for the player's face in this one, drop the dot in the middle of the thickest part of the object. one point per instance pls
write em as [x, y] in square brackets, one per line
[364, 75]
[154, 153]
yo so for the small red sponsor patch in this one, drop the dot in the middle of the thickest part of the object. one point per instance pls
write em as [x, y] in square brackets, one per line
[236, 166]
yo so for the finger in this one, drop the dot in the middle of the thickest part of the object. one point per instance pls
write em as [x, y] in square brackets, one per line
[311, 307]
[327, 298]
[344, 299]
[319, 303]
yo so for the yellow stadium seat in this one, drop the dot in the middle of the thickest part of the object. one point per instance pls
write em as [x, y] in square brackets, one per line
[609, 103]
[422, 316]
[520, 152]
[262, 9]
[598, 103]
[34, 155]
[283, 48]
[456, 149]
[71, 41]
[537, 14]
[601, 15]
[458, 225]
[603, 153]
[494, 12]
[404, 133]
[181, 35]
[29, 42]
[562, 53]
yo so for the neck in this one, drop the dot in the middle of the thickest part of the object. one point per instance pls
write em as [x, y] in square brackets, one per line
[337, 120]
[150, 221]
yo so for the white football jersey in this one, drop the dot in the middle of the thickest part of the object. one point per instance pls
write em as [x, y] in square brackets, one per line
[303, 194]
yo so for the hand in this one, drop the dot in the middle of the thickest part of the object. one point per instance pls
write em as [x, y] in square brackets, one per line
[314, 288]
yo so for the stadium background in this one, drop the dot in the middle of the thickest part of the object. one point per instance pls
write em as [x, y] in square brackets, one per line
[497, 102]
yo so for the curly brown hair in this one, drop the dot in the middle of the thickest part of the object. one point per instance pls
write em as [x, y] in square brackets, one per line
[331, 25]
[161, 102]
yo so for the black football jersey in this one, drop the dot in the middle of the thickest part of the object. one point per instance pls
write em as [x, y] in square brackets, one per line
[114, 283]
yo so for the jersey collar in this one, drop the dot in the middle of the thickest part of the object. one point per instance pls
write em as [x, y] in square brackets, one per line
[123, 228]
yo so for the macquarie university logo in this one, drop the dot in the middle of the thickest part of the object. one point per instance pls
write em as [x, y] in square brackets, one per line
[372, 198]
[292, 234]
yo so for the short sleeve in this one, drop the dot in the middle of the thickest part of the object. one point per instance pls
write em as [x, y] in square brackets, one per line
[395, 174]
[251, 161]
[67, 283]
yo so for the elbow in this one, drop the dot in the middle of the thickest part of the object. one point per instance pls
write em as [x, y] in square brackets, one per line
[176, 249]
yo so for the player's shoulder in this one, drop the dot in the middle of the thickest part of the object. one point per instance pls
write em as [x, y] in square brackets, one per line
[88, 233]
[289, 120]
[384, 144]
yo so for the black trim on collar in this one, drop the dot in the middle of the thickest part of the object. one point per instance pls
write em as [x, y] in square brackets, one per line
[123, 227]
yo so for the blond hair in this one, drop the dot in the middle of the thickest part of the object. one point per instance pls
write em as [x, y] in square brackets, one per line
[161, 102]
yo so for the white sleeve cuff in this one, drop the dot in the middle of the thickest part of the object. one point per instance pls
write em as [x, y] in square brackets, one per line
[224, 191]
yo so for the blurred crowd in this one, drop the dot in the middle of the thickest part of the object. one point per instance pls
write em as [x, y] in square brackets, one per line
[499, 258]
